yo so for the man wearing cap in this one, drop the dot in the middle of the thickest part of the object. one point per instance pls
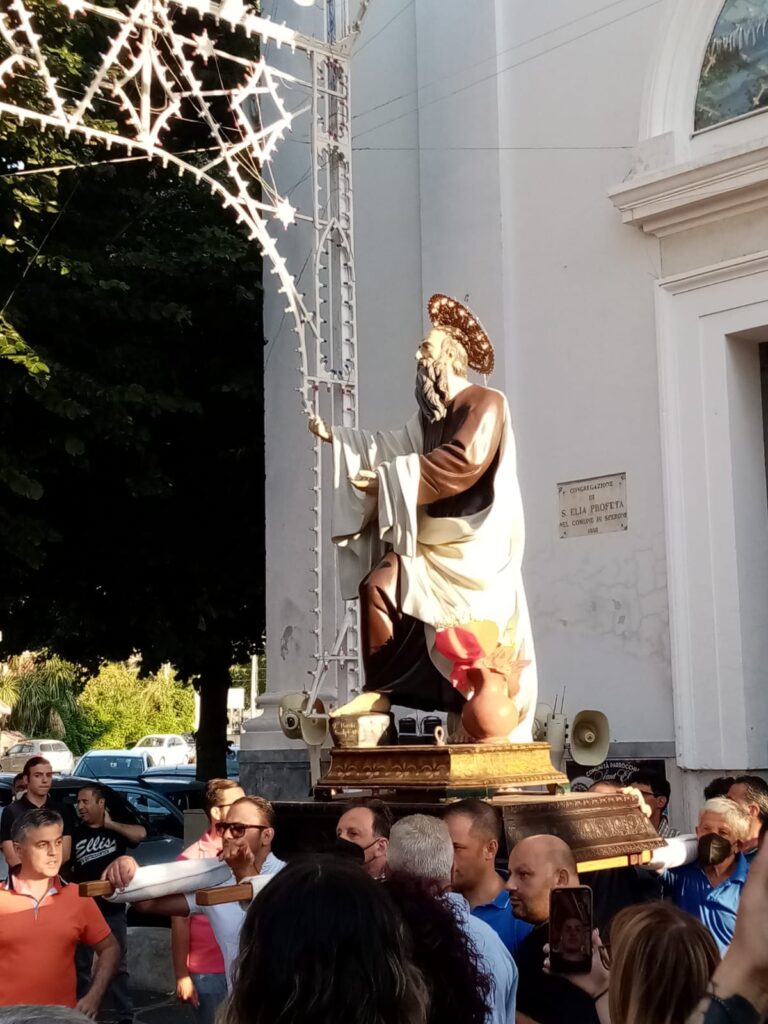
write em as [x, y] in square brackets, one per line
[429, 526]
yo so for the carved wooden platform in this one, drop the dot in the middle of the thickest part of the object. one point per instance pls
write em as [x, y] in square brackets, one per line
[597, 828]
[439, 771]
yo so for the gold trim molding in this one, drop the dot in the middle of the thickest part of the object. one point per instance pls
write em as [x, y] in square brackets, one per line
[450, 767]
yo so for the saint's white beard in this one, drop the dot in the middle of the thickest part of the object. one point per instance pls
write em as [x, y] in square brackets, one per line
[432, 388]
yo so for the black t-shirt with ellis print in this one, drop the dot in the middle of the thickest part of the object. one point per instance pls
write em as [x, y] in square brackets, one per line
[93, 850]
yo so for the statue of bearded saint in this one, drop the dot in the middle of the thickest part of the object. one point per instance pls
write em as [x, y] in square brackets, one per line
[428, 521]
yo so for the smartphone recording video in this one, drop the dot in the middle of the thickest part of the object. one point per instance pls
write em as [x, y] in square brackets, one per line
[570, 930]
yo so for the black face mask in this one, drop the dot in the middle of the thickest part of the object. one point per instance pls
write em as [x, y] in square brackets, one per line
[349, 851]
[713, 849]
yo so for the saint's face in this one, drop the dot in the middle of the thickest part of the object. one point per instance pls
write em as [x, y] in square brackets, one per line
[431, 346]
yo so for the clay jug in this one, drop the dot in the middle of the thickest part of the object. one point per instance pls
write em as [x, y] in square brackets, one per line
[489, 716]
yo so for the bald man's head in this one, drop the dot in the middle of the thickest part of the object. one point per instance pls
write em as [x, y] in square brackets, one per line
[536, 865]
[598, 788]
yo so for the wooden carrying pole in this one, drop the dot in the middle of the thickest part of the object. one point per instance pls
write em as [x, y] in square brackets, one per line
[224, 894]
[203, 897]
[99, 888]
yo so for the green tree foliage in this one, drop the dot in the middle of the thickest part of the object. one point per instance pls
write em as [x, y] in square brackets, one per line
[131, 435]
[240, 675]
[124, 707]
[43, 693]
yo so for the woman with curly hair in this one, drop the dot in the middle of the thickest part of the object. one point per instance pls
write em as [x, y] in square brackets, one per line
[459, 988]
[324, 943]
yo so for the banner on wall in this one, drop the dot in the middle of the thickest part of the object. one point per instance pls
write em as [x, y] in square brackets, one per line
[621, 770]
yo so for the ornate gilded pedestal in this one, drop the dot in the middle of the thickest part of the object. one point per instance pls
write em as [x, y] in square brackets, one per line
[430, 772]
[603, 831]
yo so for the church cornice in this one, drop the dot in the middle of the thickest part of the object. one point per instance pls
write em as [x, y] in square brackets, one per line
[680, 198]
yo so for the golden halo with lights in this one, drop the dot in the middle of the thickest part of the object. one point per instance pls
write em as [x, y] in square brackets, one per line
[447, 312]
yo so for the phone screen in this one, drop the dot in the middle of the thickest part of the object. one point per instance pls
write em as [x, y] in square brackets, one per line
[570, 930]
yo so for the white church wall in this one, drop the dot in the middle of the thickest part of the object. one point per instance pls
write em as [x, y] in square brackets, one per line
[458, 130]
[580, 356]
[716, 242]
[387, 214]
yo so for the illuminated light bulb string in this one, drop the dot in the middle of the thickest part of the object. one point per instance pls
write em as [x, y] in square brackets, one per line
[148, 75]
[148, 70]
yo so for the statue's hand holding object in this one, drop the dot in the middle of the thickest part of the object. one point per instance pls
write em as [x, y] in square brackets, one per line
[319, 428]
[366, 481]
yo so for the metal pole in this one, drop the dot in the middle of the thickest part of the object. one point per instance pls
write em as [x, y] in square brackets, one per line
[254, 683]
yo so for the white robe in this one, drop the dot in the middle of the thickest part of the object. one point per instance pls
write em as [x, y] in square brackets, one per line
[454, 569]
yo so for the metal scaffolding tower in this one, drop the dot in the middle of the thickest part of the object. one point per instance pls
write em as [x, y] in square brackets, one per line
[152, 69]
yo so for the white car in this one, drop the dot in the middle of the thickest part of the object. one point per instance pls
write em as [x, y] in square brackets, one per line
[163, 748]
[58, 755]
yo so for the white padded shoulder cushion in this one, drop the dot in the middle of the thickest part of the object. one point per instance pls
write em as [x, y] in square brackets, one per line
[178, 876]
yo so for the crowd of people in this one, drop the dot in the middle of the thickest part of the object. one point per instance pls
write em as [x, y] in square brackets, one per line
[407, 921]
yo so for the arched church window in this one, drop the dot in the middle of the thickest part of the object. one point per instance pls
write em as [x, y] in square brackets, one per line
[734, 76]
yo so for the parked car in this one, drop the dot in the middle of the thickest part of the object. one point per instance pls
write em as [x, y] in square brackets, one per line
[165, 830]
[190, 770]
[164, 748]
[57, 753]
[177, 785]
[163, 815]
[189, 739]
[112, 764]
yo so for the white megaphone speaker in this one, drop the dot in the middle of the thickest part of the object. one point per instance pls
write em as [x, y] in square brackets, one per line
[590, 738]
[314, 726]
[314, 731]
[299, 724]
[289, 714]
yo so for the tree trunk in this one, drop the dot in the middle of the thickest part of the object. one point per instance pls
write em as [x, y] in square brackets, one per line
[212, 731]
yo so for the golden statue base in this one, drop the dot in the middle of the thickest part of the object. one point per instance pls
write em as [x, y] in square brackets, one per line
[440, 771]
[603, 831]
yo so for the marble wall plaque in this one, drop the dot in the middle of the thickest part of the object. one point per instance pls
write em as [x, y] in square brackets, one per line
[596, 505]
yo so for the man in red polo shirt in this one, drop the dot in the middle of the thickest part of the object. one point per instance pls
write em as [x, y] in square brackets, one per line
[42, 919]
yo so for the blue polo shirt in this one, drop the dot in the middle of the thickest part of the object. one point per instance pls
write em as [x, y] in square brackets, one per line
[494, 959]
[715, 907]
[498, 914]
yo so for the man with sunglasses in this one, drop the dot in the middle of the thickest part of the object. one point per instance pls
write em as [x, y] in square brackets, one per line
[197, 960]
[247, 836]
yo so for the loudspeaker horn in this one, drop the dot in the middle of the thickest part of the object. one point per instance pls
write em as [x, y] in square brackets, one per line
[289, 714]
[314, 730]
[590, 738]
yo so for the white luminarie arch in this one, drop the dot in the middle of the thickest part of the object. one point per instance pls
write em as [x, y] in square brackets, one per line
[150, 57]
